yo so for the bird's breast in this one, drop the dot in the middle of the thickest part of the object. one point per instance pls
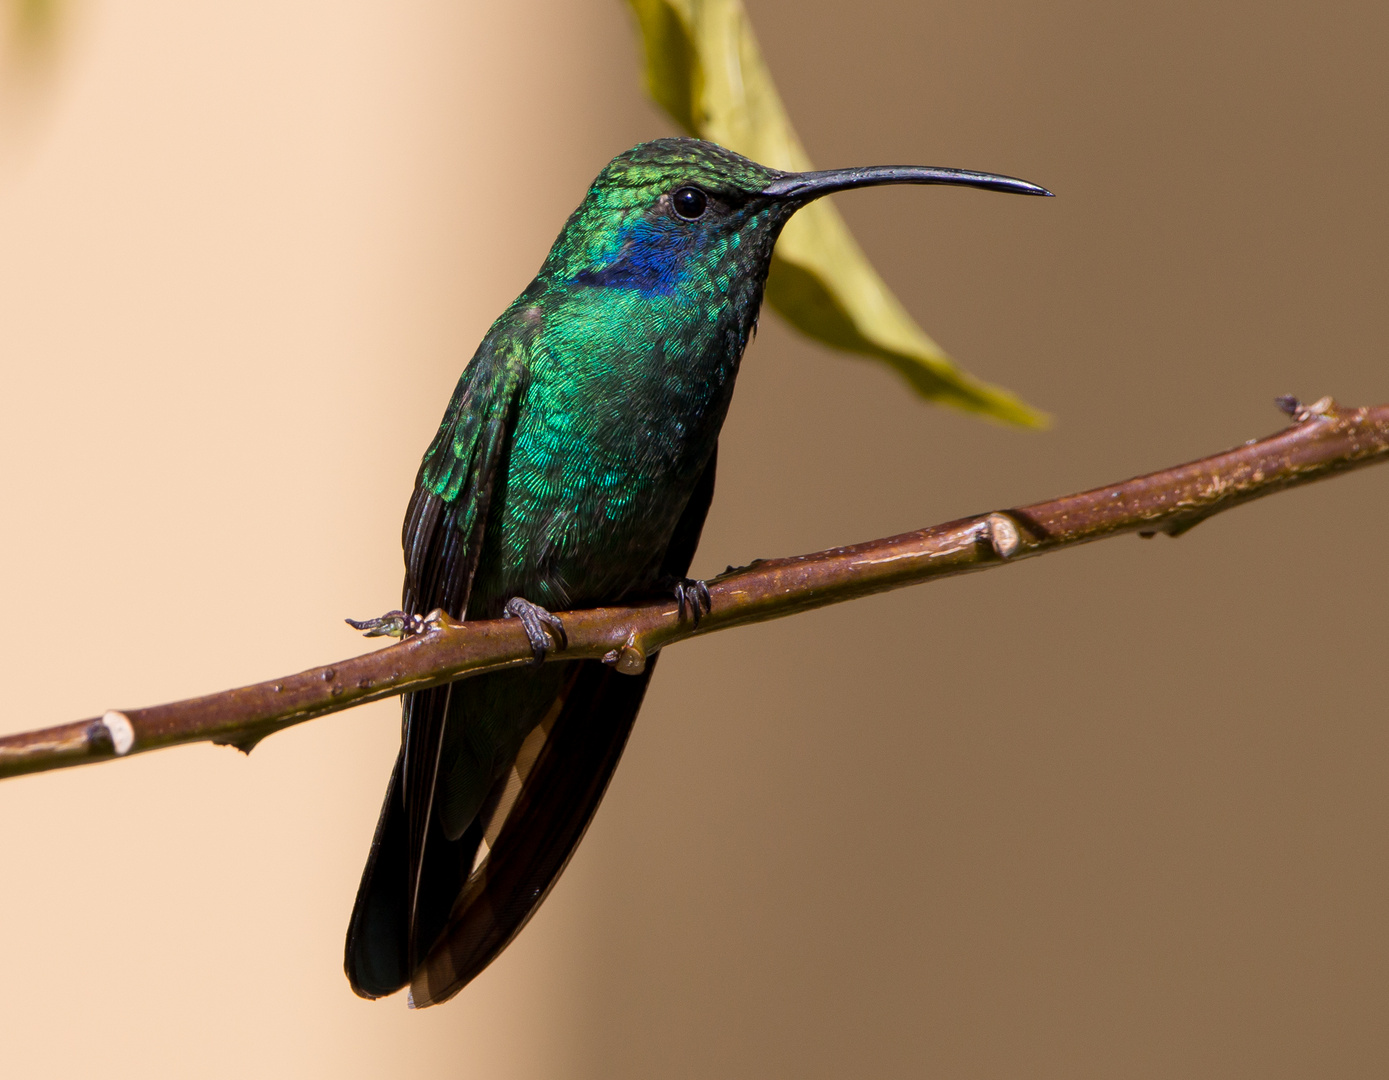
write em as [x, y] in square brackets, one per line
[622, 409]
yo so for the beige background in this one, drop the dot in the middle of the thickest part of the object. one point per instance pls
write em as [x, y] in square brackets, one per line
[1119, 812]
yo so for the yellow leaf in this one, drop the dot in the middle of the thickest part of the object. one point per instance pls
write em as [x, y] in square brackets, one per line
[704, 68]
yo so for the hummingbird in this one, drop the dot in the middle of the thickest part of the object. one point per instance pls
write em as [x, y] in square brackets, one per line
[574, 467]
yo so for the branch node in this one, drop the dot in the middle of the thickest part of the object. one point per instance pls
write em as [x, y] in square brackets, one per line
[1002, 535]
[395, 624]
[120, 730]
[1322, 408]
[631, 658]
[246, 741]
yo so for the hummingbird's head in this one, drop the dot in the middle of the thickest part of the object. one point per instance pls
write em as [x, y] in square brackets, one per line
[677, 215]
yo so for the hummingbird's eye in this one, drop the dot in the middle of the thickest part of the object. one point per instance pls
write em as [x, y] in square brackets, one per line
[689, 202]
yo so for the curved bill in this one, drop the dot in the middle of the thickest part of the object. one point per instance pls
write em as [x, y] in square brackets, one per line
[811, 185]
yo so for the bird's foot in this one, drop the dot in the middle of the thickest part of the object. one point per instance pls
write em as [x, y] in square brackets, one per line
[392, 624]
[693, 595]
[540, 626]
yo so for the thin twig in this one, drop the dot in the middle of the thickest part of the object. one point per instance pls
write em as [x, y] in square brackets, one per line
[1324, 439]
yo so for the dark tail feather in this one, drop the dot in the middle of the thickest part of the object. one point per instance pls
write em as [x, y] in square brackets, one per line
[545, 826]
[378, 946]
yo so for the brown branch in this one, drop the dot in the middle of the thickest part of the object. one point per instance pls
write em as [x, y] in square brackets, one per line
[1323, 440]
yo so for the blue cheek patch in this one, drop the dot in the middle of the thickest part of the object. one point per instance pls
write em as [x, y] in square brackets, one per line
[651, 258]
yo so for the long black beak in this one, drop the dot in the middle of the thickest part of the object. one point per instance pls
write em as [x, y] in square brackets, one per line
[803, 187]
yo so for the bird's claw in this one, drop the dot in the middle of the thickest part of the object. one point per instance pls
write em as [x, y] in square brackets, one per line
[392, 624]
[695, 595]
[540, 626]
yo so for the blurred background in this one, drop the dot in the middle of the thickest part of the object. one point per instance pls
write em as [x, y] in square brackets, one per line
[1117, 812]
